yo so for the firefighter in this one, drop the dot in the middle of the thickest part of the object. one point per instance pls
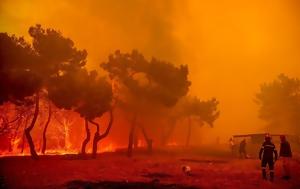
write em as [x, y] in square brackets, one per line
[285, 154]
[266, 157]
[232, 145]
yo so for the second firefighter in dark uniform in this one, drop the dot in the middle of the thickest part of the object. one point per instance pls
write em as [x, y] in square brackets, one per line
[286, 156]
[266, 156]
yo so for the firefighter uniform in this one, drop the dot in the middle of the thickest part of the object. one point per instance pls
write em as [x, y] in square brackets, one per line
[266, 157]
[286, 155]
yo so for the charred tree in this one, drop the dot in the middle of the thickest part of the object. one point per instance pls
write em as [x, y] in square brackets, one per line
[45, 129]
[98, 137]
[153, 83]
[135, 141]
[87, 138]
[32, 124]
[148, 140]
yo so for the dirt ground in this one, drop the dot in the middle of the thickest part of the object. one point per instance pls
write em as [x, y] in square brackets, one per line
[160, 170]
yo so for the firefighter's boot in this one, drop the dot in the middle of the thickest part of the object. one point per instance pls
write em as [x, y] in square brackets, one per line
[264, 174]
[271, 175]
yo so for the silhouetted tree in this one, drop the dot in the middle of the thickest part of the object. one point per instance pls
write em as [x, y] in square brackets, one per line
[94, 103]
[57, 54]
[25, 70]
[18, 78]
[86, 94]
[279, 103]
[193, 109]
[44, 144]
[205, 112]
[145, 85]
[66, 91]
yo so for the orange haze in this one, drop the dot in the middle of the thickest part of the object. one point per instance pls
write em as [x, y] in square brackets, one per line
[231, 46]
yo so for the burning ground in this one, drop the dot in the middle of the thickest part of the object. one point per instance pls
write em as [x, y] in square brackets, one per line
[160, 170]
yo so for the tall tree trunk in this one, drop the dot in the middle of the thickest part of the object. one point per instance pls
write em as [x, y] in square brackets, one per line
[28, 129]
[98, 137]
[131, 136]
[149, 141]
[87, 139]
[135, 141]
[45, 129]
[189, 132]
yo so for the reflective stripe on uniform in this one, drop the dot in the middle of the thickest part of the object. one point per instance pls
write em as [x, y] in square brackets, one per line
[267, 145]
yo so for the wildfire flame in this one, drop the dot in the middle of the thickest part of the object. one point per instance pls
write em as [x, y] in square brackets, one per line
[172, 144]
[66, 124]
[15, 143]
[109, 148]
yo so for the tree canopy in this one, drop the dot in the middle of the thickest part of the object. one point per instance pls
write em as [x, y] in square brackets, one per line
[279, 102]
[17, 78]
[153, 81]
[206, 111]
[83, 92]
[145, 87]
[57, 53]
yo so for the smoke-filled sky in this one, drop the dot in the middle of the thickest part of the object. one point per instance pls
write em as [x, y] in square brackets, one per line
[231, 46]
